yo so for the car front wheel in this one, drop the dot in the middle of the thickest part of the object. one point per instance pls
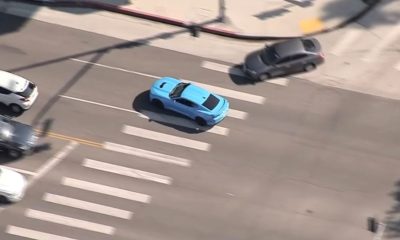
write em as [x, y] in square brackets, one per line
[263, 77]
[157, 103]
[15, 108]
[201, 121]
[309, 67]
[14, 153]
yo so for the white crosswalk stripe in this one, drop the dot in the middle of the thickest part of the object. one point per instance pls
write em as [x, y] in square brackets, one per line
[88, 206]
[345, 41]
[219, 90]
[68, 221]
[107, 190]
[237, 114]
[146, 154]
[162, 137]
[125, 171]
[382, 44]
[238, 72]
[33, 234]
[183, 122]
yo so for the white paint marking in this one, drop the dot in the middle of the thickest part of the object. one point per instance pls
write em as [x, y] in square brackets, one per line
[349, 37]
[125, 171]
[219, 90]
[115, 68]
[238, 72]
[397, 67]
[381, 230]
[162, 137]
[33, 234]
[146, 154]
[51, 163]
[99, 104]
[237, 114]
[19, 170]
[88, 206]
[112, 191]
[72, 222]
[388, 39]
[183, 122]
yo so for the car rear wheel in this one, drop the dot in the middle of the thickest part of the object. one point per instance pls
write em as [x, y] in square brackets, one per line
[263, 77]
[309, 67]
[15, 108]
[157, 103]
[14, 153]
[200, 121]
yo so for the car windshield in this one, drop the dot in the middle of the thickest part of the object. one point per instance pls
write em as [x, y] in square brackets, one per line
[269, 55]
[28, 91]
[177, 91]
[211, 102]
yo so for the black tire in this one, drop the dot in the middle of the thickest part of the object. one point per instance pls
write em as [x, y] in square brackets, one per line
[14, 154]
[15, 108]
[4, 199]
[263, 77]
[157, 103]
[309, 67]
[200, 121]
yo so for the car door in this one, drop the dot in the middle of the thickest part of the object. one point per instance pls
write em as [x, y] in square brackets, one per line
[297, 62]
[6, 96]
[185, 107]
[281, 66]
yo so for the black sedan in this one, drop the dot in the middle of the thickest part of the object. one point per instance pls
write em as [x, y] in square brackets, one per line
[294, 55]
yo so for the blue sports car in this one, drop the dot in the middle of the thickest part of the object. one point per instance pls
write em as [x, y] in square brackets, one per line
[190, 100]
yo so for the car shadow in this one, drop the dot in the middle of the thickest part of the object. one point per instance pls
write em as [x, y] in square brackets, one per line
[6, 111]
[142, 105]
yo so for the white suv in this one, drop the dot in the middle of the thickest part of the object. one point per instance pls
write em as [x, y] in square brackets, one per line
[16, 92]
[12, 185]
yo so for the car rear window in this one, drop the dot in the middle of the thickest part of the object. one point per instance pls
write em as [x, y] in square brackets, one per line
[309, 45]
[211, 102]
[28, 91]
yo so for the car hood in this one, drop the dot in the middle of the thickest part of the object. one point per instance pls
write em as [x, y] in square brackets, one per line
[11, 181]
[254, 62]
[164, 86]
[23, 134]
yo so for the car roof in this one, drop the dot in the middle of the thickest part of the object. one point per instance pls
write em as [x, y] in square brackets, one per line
[289, 47]
[12, 82]
[195, 94]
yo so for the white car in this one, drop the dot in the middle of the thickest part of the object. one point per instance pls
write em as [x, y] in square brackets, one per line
[16, 92]
[12, 185]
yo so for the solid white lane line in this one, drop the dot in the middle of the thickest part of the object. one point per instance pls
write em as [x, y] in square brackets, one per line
[99, 104]
[219, 90]
[112, 191]
[397, 66]
[125, 171]
[114, 68]
[349, 37]
[238, 72]
[33, 234]
[51, 163]
[88, 206]
[72, 222]
[162, 137]
[223, 68]
[19, 170]
[388, 39]
[183, 122]
[146, 154]
[237, 114]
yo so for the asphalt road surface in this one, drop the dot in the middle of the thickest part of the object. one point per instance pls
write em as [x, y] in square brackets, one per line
[293, 160]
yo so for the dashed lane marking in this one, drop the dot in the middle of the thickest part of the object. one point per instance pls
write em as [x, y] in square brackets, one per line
[219, 90]
[238, 72]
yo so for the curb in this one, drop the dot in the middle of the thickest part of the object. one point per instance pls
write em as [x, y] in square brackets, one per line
[191, 27]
